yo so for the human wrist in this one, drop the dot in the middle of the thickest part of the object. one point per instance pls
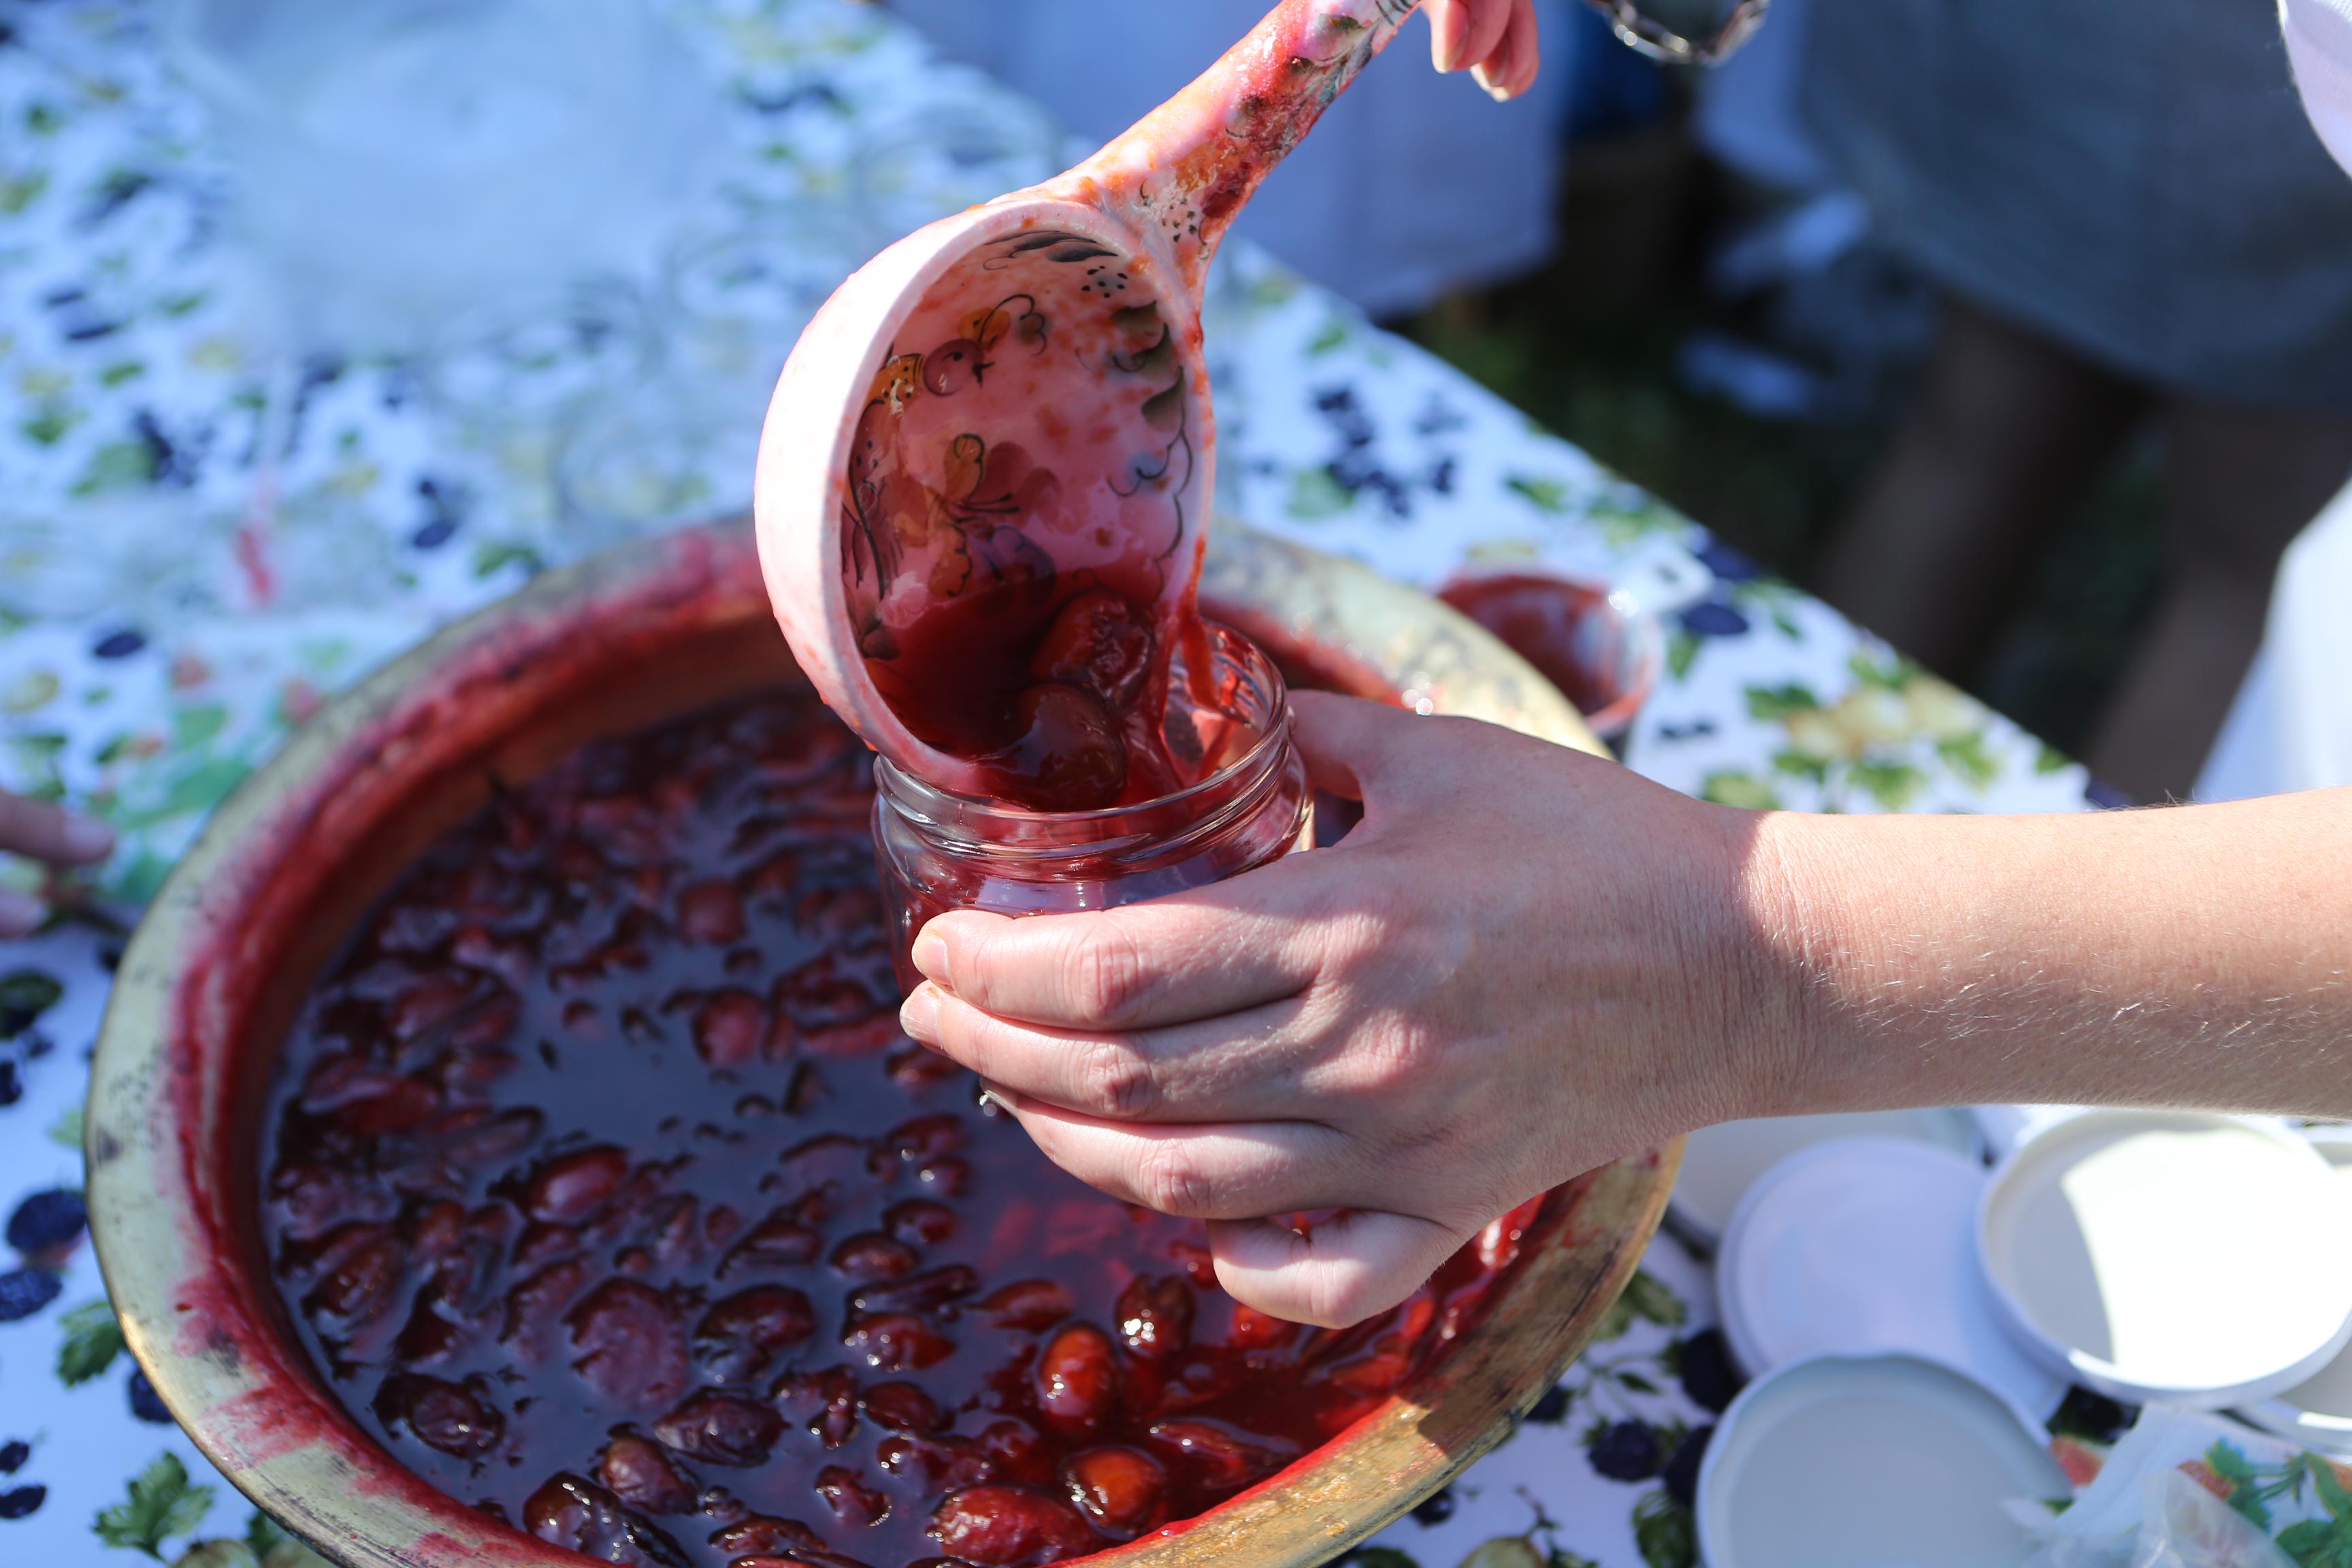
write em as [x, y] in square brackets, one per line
[1795, 1045]
[1904, 950]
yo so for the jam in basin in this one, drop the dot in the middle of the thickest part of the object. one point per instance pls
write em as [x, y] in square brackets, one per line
[241, 1112]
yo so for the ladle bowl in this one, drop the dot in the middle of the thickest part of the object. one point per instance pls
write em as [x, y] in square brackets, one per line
[1015, 394]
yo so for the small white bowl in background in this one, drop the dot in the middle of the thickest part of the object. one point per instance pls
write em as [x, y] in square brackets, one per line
[1864, 1461]
[2179, 1256]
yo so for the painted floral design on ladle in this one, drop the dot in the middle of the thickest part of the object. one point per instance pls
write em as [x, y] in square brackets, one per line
[986, 472]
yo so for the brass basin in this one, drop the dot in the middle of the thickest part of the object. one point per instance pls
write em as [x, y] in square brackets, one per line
[212, 980]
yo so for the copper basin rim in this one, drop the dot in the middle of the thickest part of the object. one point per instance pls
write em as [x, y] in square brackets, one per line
[211, 978]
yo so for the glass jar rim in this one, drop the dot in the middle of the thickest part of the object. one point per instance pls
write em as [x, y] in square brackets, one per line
[934, 805]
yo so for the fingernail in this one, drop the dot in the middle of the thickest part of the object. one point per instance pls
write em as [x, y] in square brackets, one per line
[919, 1014]
[1448, 32]
[20, 916]
[931, 955]
[1486, 79]
[85, 838]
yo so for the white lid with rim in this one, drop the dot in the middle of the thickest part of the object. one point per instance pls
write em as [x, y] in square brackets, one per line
[1721, 1162]
[1866, 1245]
[1869, 1462]
[2167, 1254]
[2317, 1412]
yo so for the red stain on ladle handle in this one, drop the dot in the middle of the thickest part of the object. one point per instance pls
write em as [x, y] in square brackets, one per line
[1186, 170]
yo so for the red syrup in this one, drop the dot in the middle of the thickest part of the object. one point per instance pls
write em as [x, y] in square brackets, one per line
[1552, 624]
[604, 1192]
[1603, 655]
[1017, 558]
[939, 851]
[1060, 688]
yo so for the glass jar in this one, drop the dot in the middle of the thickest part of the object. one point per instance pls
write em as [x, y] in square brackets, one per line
[938, 850]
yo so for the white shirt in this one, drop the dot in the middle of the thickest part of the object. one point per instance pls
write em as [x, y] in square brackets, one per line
[2319, 43]
[2291, 727]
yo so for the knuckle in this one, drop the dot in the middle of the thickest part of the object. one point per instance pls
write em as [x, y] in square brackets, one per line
[1392, 1055]
[1380, 1074]
[1108, 975]
[1377, 920]
[971, 969]
[1169, 1178]
[1115, 1081]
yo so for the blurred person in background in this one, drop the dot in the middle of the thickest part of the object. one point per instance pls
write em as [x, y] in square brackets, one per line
[2130, 220]
[1413, 186]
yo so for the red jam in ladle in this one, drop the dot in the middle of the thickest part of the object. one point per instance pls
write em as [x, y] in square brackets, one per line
[987, 468]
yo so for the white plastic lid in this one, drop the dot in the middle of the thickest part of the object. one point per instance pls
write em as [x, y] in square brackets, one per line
[2317, 1412]
[1867, 1244]
[2179, 1256]
[1721, 1162]
[1869, 1462]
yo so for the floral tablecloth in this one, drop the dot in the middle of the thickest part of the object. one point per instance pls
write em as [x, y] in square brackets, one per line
[138, 416]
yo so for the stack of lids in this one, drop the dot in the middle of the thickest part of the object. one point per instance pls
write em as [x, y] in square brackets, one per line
[1906, 1311]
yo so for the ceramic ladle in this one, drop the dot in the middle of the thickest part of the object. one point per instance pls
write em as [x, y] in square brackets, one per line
[1015, 397]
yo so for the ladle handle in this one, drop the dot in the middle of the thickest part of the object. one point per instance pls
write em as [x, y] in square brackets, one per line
[1186, 170]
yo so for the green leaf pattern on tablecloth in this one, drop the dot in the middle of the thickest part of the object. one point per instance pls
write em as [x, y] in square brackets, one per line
[1889, 733]
[93, 1338]
[1665, 1532]
[163, 1503]
[2306, 1484]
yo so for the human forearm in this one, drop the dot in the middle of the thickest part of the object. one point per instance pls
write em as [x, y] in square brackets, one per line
[1524, 962]
[2190, 955]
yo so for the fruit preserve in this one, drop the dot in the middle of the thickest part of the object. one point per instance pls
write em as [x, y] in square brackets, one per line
[1018, 523]
[1601, 650]
[604, 1190]
[942, 851]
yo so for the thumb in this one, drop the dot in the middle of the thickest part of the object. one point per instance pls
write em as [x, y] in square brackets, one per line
[1353, 745]
[1340, 1271]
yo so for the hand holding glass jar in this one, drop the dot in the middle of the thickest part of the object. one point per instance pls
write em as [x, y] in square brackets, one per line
[1454, 1008]
[1524, 962]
